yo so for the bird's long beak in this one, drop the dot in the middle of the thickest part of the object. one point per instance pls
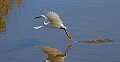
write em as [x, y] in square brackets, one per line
[69, 36]
[37, 17]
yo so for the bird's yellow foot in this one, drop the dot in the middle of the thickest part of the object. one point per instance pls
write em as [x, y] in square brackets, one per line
[70, 36]
[70, 46]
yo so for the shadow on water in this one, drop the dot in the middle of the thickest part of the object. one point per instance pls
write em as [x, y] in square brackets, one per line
[55, 55]
[5, 5]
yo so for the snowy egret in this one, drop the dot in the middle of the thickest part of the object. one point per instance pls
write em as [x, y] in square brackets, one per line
[54, 55]
[54, 22]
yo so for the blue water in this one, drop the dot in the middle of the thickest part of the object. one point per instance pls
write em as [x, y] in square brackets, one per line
[85, 19]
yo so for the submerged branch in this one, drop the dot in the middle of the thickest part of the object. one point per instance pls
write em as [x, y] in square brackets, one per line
[96, 41]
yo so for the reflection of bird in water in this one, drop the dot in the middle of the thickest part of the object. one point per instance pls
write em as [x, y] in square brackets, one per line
[54, 22]
[55, 55]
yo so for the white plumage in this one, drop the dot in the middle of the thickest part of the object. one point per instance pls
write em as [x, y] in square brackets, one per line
[54, 21]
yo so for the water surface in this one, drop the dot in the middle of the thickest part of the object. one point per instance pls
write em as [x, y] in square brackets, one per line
[85, 19]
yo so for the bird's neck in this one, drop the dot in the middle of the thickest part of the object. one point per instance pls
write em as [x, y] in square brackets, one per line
[43, 16]
[45, 22]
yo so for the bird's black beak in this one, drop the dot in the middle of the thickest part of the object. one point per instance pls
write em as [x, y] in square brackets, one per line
[37, 17]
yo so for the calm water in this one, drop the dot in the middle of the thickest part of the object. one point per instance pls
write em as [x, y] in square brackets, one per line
[85, 19]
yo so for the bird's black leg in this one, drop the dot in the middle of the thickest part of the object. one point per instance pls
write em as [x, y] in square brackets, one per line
[65, 31]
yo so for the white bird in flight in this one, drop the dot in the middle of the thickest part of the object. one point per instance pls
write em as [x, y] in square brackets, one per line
[54, 22]
[55, 55]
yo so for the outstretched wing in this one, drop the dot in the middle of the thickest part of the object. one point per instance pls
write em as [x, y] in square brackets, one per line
[53, 17]
[52, 52]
